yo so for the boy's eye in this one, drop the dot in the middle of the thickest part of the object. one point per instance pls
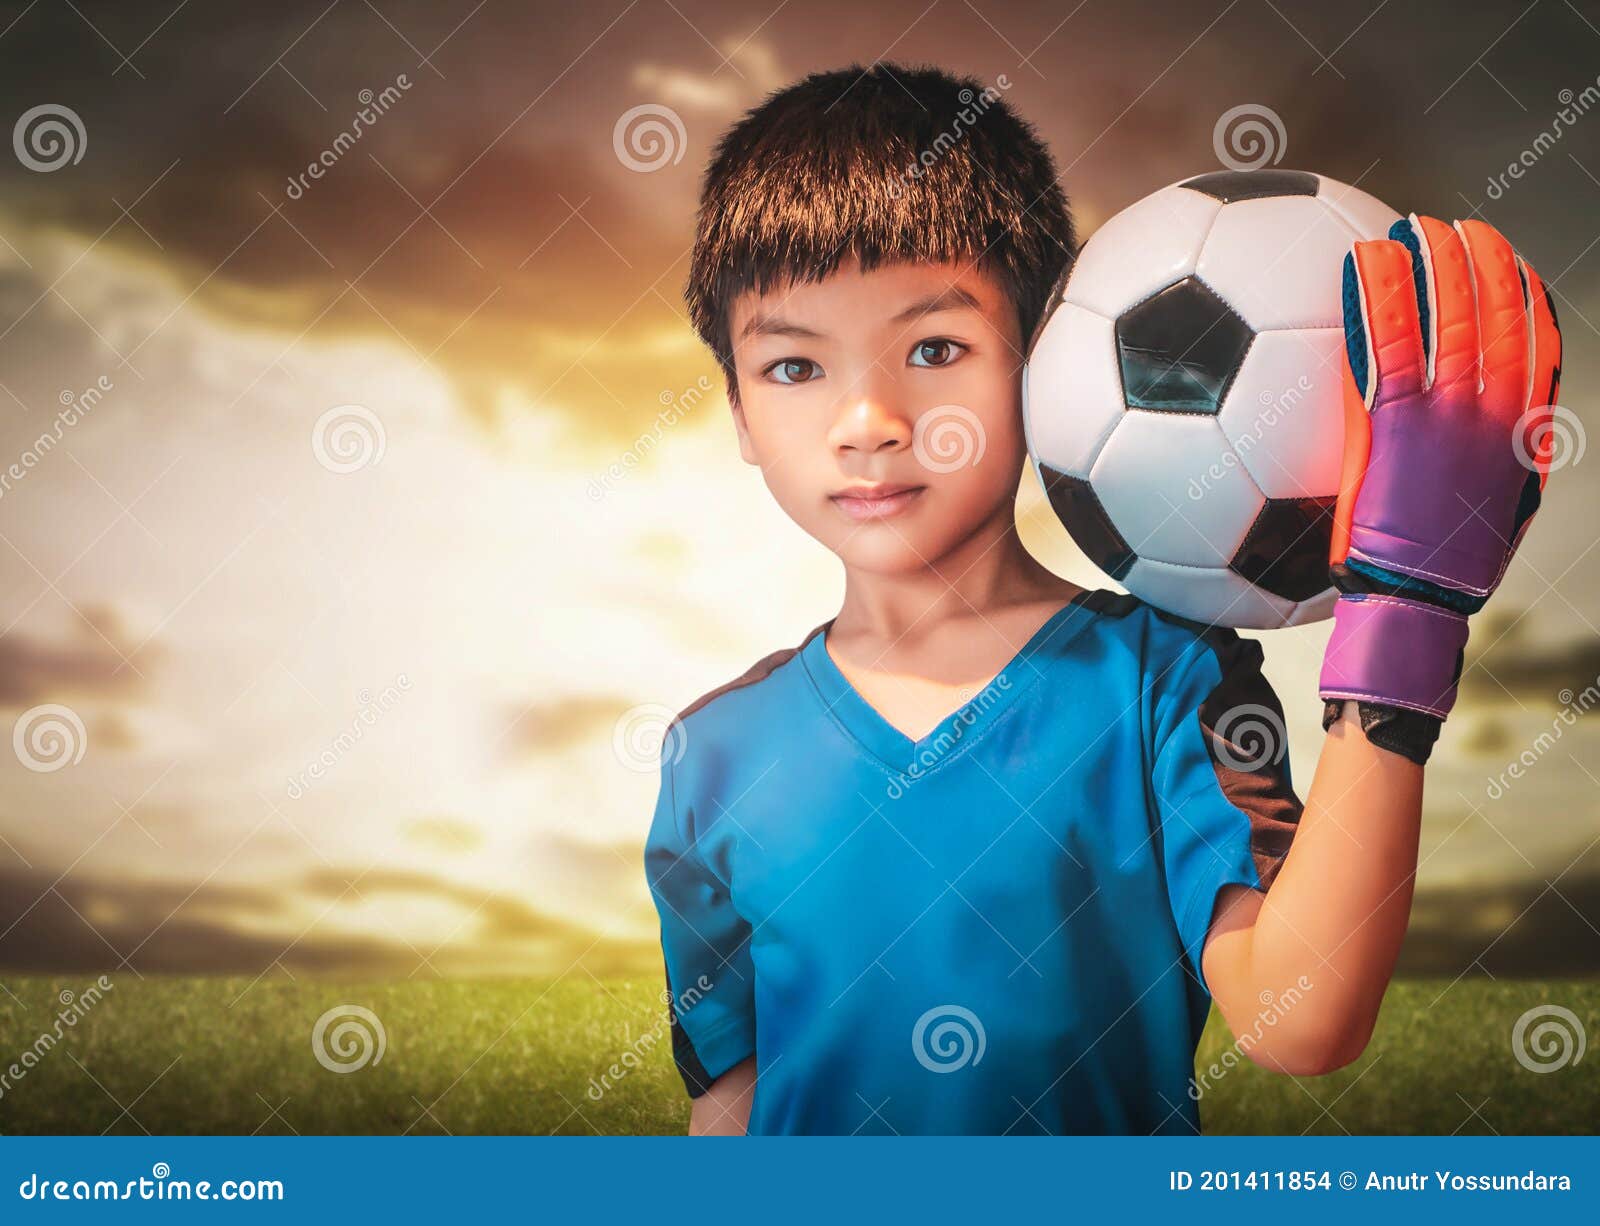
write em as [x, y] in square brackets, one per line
[793, 370]
[935, 352]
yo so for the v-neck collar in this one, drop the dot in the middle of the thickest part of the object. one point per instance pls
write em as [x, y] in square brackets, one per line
[963, 725]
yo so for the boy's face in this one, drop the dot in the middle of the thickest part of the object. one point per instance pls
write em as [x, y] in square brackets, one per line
[883, 408]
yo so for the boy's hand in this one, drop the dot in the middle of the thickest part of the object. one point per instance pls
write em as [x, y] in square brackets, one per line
[1453, 362]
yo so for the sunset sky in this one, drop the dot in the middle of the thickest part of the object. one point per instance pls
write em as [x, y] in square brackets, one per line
[476, 310]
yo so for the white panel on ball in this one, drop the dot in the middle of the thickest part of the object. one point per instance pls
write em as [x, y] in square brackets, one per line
[1145, 247]
[1277, 261]
[1228, 599]
[1284, 413]
[1074, 365]
[1164, 480]
[1367, 216]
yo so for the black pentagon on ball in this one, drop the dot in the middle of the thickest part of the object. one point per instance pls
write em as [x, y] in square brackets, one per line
[1230, 185]
[1286, 550]
[1180, 348]
[1082, 514]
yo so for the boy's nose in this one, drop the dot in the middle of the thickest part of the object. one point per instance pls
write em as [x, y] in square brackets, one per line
[869, 423]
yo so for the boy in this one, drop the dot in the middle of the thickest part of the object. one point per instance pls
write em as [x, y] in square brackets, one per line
[978, 853]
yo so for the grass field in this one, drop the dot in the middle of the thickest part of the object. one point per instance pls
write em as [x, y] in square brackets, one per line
[223, 1055]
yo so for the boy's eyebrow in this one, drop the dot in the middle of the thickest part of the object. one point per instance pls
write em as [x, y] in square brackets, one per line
[776, 325]
[952, 298]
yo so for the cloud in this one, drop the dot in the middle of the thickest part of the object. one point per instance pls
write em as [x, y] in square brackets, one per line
[92, 661]
[1522, 929]
[82, 923]
[1509, 667]
[751, 71]
[446, 835]
[541, 729]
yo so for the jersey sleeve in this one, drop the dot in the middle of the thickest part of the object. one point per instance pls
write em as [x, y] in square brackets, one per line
[1221, 786]
[705, 943]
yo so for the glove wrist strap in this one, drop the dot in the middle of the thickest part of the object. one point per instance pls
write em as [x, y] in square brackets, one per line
[1398, 652]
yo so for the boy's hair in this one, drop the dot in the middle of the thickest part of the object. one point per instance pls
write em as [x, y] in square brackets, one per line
[887, 164]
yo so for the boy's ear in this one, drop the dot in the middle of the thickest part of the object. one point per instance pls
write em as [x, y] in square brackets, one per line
[747, 451]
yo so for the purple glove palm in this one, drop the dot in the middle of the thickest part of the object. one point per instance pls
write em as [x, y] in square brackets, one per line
[1454, 363]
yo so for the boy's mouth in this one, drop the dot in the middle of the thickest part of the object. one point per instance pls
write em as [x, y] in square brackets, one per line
[876, 501]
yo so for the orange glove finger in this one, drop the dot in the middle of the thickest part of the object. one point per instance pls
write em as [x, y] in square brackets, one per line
[1503, 323]
[1450, 331]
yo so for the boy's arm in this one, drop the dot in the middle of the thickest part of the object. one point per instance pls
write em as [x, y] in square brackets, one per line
[724, 1109]
[1453, 367]
[705, 945]
[1335, 915]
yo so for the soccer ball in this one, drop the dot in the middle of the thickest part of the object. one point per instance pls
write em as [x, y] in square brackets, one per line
[1183, 397]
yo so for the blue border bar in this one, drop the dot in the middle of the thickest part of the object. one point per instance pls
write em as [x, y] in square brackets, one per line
[807, 1179]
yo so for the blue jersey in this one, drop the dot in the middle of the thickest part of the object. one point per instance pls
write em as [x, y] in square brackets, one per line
[994, 929]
